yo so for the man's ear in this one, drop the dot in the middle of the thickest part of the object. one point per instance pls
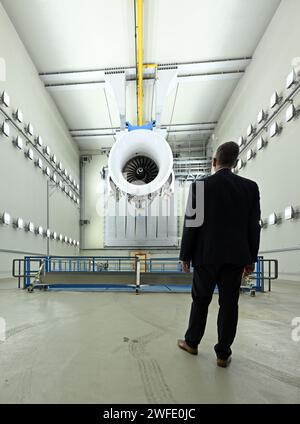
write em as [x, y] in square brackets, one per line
[214, 162]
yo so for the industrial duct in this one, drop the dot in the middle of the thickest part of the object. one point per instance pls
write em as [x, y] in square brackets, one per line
[140, 166]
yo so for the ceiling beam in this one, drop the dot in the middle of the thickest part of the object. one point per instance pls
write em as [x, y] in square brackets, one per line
[74, 79]
[193, 124]
[244, 61]
[202, 127]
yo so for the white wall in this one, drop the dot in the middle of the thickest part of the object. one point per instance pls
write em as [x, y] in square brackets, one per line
[276, 168]
[23, 187]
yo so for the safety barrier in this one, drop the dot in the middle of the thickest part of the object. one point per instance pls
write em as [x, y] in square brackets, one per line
[32, 269]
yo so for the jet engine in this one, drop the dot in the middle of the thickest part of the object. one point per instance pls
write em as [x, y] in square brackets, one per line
[140, 167]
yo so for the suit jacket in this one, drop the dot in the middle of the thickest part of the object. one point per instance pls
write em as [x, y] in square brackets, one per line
[230, 232]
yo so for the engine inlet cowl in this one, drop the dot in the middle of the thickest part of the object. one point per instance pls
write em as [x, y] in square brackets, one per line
[140, 165]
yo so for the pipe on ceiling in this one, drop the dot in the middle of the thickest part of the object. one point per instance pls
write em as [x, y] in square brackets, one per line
[140, 7]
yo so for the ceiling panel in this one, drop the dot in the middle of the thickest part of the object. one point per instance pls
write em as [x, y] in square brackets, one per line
[76, 35]
[86, 108]
[196, 30]
[63, 35]
[197, 102]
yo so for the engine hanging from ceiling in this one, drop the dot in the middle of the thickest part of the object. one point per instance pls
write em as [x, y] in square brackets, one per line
[140, 163]
[140, 166]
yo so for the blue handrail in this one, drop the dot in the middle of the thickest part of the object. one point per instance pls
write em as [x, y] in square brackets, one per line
[94, 264]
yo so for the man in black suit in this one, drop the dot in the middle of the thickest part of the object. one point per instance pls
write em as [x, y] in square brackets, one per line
[223, 247]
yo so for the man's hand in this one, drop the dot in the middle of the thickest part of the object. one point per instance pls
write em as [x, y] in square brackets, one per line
[186, 266]
[249, 269]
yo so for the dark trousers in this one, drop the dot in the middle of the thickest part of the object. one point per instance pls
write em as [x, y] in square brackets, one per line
[228, 279]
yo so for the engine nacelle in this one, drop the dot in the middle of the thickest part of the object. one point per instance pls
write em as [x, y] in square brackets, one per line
[140, 166]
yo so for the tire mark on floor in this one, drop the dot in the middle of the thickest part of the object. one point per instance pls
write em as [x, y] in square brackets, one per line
[274, 373]
[154, 383]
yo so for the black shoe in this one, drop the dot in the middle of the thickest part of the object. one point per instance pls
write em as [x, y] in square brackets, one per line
[223, 363]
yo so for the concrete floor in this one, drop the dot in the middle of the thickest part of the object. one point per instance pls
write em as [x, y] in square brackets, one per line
[68, 347]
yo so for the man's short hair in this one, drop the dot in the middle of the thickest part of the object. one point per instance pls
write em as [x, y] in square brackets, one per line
[227, 154]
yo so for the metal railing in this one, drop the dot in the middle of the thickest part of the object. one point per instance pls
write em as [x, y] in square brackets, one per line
[22, 269]
[266, 271]
[30, 269]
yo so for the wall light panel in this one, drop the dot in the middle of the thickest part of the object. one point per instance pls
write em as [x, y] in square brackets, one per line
[274, 129]
[18, 115]
[19, 142]
[262, 116]
[39, 141]
[29, 154]
[5, 129]
[275, 99]
[290, 113]
[289, 213]
[272, 219]
[260, 143]
[5, 99]
[6, 218]
[291, 79]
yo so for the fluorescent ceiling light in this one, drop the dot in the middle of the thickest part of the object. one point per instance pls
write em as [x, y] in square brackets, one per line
[48, 233]
[261, 223]
[66, 239]
[5, 129]
[53, 159]
[66, 173]
[5, 99]
[61, 184]
[54, 177]
[66, 189]
[6, 219]
[60, 166]
[70, 241]
[78, 244]
[60, 237]
[77, 186]
[54, 235]
[47, 171]
[289, 213]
